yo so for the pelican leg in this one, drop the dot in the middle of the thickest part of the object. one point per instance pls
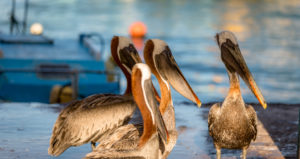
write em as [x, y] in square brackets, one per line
[244, 153]
[93, 144]
[218, 152]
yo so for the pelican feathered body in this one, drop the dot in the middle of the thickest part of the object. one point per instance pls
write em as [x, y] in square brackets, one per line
[159, 57]
[89, 119]
[126, 141]
[232, 124]
[162, 64]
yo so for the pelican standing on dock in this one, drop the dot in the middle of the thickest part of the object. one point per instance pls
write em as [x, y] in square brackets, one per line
[133, 145]
[232, 124]
[159, 57]
[162, 64]
[89, 119]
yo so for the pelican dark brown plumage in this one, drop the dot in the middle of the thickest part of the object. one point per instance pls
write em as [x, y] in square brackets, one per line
[129, 143]
[88, 120]
[232, 124]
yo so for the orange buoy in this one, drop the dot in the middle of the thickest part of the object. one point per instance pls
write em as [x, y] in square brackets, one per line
[137, 29]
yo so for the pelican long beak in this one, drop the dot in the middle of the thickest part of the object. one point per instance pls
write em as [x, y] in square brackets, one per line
[234, 61]
[143, 93]
[168, 69]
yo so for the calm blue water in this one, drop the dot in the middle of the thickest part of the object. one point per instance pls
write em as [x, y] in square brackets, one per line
[267, 32]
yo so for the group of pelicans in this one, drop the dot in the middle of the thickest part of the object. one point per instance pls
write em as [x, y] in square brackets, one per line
[107, 119]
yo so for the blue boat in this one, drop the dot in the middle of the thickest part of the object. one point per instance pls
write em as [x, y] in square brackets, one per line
[35, 68]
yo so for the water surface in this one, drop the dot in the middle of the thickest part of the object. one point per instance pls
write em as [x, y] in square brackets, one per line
[267, 32]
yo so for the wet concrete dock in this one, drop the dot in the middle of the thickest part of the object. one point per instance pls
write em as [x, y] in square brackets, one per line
[25, 130]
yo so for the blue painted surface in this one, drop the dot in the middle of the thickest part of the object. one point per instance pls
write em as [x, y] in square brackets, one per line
[61, 49]
[31, 87]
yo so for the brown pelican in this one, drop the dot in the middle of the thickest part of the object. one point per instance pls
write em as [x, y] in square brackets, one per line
[158, 56]
[161, 62]
[88, 120]
[131, 144]
[232, 124]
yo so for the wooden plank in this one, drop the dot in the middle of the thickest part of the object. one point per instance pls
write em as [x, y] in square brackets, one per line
[264, 146]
